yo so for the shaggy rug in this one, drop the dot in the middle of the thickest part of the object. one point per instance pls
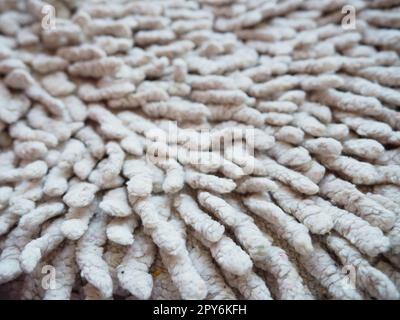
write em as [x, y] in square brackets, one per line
[210, 149]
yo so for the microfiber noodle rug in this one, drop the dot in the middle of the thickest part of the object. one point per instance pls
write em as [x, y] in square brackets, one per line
[211, 149]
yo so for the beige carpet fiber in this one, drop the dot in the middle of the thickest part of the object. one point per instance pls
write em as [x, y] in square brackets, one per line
[210, 149]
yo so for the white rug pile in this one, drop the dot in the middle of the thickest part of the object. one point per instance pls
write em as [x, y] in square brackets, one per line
[210, 149]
